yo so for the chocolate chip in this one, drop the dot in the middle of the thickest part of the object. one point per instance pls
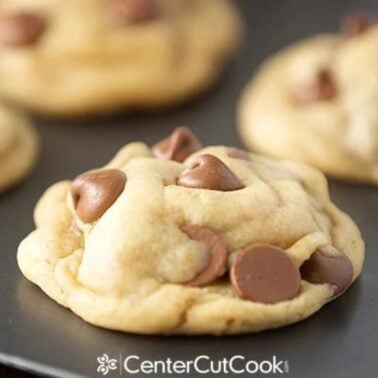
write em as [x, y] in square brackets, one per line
[335, 270]
[20, 29]
[217, 250]
[265, 273]
[355, 24]
[208, 172]
[322, 88]
[94, 192]
[178, 146]
[134, 11]
[237, 153]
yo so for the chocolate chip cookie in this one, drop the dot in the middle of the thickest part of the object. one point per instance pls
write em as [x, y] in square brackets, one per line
[180, 239]
[18, 147]
[317, 102]
[76, 57]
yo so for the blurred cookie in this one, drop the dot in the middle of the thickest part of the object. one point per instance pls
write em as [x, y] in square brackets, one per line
[76, 57]
[183, 239]
[317, 102]
[18, 147]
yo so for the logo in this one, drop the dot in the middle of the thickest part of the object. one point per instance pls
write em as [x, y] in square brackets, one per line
[105, 364]
[202, 364]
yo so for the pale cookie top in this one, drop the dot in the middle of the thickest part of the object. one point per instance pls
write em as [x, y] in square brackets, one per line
[185, 239]
[78, 56]
[317, 102]
[18, 146]
[8, 130]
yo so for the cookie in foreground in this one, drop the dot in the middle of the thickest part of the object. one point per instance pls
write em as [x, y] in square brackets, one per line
[180, 239]
[79, 57]
[317, 102]
[18, 147]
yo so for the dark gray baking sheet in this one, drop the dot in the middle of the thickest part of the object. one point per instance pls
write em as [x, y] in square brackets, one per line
[36, 334]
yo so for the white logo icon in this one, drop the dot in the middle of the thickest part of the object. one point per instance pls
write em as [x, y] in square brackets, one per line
[105, 364]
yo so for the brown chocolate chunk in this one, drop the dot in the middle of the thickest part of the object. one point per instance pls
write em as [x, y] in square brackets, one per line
[178, 146]
[134, 11]
[354, 24]
[94, 192]
[20, 29]
[265, 273]
[237, 153]
[320, 269]
[217, 250]
[322, 88]
[208, 172]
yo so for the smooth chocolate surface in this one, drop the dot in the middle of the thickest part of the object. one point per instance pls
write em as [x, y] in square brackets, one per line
[322, 87]
[216, 249]
[133, 11]
[265, 273]
[94, 192]
[20, 29]
[208, 172]
[320, 268]
[178, 146]
[356, 23]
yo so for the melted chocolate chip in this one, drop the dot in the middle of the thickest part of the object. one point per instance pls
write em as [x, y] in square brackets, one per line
[94, 192]
[320, 269]
[322, 88]
[217, 250]
[265, 273]
[178, 146]
[355, 24]
[208, 172]
[134, 11]
[20, 29]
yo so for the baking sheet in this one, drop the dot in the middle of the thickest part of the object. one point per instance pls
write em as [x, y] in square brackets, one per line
[36, 334]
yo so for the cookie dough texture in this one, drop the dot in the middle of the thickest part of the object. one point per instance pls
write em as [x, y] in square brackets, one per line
[128, 270]
[338, 135]
[18, 147]
[87, 61]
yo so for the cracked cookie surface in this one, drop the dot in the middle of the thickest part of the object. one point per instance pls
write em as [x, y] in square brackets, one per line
[18, 147]
[317, 102]
[78, 57]
[217, 241]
